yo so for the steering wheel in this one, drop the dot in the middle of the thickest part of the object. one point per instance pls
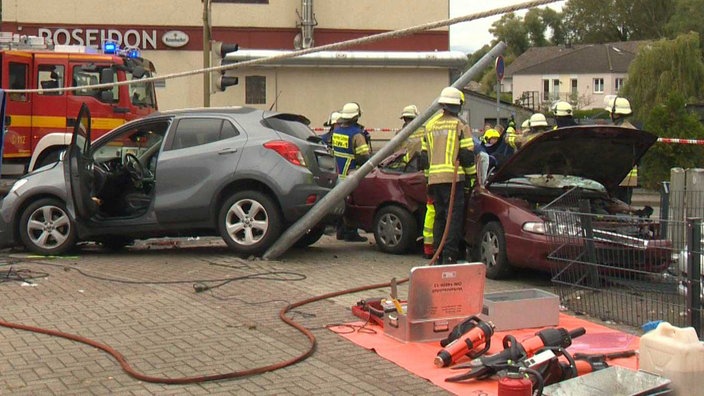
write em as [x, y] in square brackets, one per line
[134, 167]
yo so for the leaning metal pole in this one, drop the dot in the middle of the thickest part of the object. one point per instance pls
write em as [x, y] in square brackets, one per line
[313, 217]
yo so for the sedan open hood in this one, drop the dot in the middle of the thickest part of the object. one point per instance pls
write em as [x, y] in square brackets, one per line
[603, 153]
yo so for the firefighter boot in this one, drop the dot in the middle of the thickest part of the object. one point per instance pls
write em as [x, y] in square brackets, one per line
[428, 250]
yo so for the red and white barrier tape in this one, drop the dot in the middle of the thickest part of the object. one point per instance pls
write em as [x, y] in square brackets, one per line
[680, 141]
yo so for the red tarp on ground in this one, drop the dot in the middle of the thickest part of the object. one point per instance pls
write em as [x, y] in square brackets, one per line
[418, 357]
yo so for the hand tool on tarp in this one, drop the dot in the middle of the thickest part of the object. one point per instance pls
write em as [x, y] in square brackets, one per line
[514, 352]
[472, 338]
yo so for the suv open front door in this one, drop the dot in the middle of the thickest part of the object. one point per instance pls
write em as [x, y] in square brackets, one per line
[78, 168]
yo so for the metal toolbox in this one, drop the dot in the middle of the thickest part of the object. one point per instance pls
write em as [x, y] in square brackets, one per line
[521, 309]
[439, 297]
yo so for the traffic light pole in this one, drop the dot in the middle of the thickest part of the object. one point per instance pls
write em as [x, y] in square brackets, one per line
[206, 52]
[337, 194]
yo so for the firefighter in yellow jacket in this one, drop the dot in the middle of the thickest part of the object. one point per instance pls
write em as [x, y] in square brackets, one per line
[620, 109]
[447, 141]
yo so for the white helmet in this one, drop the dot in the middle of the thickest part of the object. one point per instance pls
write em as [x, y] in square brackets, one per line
[334, 116]
[451, 95]
[563, 109]
[526, 124]
[410, 111]
[350, 111]
[619, 106]
[538, 120]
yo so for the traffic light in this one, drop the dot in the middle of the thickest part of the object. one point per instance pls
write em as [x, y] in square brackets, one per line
[218, 51]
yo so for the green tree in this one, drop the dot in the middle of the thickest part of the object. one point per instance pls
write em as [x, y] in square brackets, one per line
[663, 67]
[664, 76]
[589, 21]
[671, 119]
[511, 30]
[687, 16]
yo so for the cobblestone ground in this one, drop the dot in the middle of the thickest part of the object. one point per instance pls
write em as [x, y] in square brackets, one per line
[142, 302]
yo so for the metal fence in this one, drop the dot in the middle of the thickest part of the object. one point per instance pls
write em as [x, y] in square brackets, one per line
[627, 268]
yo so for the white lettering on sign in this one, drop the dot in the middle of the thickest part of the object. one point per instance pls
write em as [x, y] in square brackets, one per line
[142, 39]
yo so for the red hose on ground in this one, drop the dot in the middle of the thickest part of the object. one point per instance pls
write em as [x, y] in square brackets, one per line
[127, 368]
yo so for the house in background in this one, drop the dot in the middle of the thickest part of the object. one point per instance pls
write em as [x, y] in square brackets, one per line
[581, 74]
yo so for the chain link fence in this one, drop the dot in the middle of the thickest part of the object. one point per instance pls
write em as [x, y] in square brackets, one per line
[629, 269]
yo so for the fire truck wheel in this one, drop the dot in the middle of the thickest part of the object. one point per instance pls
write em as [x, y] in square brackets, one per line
[492, 251]
[249, 222]
[46, 228]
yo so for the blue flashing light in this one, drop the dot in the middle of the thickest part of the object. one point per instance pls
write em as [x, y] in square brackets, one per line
[110, 47]
[134, 53]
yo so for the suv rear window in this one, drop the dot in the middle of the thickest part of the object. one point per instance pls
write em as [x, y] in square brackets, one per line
[290, 124]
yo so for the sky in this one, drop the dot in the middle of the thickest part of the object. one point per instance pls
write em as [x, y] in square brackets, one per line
[470, 36]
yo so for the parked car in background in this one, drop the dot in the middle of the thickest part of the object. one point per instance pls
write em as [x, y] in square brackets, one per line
[240, 173]
[390, 202]
[508, 226]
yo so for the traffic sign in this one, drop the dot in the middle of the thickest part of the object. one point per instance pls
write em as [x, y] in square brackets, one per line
[499, 67]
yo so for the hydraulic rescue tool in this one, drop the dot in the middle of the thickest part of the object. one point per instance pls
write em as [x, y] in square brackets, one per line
[471, 337]
[514, 352]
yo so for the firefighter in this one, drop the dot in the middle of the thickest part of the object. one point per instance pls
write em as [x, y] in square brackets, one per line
[331, 123]
[351, 150]
[498, 149]
[563, 115]
[525, 127]
[408, 114]
[447, 140]
[510, 136]
[412, 143]
[619, 110]
[538, 124]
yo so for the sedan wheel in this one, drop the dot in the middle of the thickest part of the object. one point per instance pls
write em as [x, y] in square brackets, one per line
[249, 222]
[46, 228]
[492, 251]
[395, 229]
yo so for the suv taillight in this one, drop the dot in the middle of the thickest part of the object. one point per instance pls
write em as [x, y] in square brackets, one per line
[288, 150]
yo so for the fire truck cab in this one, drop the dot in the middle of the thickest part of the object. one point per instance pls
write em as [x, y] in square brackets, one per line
[39, 124]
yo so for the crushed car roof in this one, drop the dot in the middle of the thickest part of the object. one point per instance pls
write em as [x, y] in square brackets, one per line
[602, 153]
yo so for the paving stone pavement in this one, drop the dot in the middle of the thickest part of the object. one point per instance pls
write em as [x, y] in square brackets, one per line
[142, 303]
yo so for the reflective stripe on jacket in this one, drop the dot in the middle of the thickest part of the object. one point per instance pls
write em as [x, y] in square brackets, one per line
[631, 179]
[348, 144]
[444, 138]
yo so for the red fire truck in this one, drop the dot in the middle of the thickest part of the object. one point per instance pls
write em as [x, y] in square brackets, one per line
[39, 124]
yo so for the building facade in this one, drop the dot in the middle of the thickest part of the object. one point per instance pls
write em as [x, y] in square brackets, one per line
[583, 75]
[171, 34]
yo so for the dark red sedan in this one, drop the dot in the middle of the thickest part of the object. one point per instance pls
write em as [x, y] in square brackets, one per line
[537, 211]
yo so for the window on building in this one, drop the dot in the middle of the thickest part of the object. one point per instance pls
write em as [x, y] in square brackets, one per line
[49, 77]
[546, 90]
[573, 87]
[255, 90]
[598, 85]
[618, 84]
[18, 80]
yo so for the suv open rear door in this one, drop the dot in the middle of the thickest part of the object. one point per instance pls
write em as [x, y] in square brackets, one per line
[78, 168]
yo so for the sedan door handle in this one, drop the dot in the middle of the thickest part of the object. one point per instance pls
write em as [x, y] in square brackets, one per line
[227, 151]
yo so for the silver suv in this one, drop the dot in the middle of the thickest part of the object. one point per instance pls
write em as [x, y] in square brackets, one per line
[240, 173]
